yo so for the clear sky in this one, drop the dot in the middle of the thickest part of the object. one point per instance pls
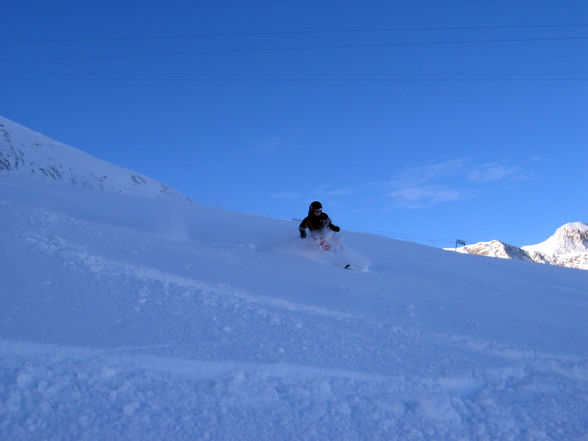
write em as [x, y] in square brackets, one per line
[424, 120]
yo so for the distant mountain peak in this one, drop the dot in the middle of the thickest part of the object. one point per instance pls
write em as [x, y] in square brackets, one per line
[26, 152]
[568, 247]
[569, 238]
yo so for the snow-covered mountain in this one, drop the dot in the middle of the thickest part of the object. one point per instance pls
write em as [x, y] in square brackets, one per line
[126, 317]
[569, 238]
[568, 247]
[24, 151]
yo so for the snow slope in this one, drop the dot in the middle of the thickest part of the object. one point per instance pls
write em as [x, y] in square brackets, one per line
[131, 318]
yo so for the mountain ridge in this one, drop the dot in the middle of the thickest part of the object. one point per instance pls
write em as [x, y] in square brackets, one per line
[25, 151]
[567, 247]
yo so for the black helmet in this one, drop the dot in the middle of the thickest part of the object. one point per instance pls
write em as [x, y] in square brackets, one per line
[316, 205]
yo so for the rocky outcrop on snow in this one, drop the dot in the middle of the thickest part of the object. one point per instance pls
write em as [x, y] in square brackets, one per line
[567, 247]
[23, 151]
[495, 248]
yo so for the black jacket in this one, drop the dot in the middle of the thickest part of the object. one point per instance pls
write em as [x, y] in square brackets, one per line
[315, 223]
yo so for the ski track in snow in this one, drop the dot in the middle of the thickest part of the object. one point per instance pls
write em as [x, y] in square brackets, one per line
[105, 266]
[566, 366]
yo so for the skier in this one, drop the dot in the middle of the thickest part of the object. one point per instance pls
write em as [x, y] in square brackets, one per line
[316, 220]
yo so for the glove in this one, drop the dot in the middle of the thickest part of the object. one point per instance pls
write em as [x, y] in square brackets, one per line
[302, 234]
[335, 228]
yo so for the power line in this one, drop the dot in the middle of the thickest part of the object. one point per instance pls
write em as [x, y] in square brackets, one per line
[294, 48]
[300, 76]
[298, 80]
[234, 79]
[298, 32]
[411, 237]
[511, 73]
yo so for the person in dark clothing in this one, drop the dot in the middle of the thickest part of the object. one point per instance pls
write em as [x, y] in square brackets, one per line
[316, 220]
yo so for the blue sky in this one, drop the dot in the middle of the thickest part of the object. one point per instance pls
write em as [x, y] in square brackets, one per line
[426, 121]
